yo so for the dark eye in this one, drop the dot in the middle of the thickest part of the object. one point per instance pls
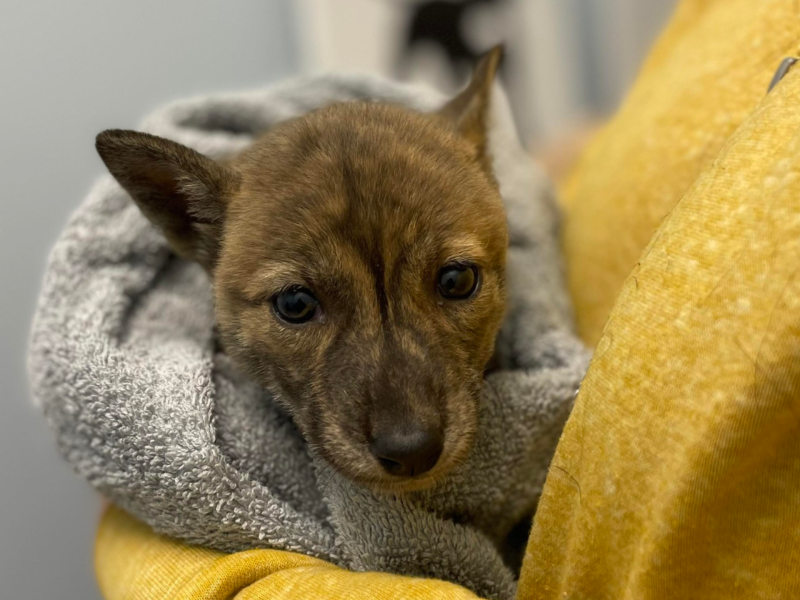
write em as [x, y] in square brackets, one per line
[457, 281]
[296, 305]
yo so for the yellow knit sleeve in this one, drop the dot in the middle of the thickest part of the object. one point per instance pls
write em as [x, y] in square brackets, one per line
[706, 74]
[678, 474]
[133, 563]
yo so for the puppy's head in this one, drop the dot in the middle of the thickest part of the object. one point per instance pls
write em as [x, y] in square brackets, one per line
[358, 259]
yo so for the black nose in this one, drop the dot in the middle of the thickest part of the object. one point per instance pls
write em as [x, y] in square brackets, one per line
[406, 453]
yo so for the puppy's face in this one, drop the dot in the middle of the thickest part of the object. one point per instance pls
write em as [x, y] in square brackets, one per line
[361, 278]
[358, 258]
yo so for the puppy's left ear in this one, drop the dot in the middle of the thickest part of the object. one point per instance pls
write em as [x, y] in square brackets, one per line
[469, 111]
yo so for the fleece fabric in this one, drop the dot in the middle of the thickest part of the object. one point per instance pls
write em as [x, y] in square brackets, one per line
[122, 362]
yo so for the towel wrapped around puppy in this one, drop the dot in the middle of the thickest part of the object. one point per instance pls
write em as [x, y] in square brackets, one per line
[124, 365]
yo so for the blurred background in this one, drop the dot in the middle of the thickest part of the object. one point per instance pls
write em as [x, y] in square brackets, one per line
[70, 70]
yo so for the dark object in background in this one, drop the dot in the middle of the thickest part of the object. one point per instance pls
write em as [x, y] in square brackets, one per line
[440, 22]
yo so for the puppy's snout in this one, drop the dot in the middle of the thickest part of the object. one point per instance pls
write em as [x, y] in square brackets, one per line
[408, 452]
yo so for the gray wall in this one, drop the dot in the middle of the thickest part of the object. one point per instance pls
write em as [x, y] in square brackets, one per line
[67, 71]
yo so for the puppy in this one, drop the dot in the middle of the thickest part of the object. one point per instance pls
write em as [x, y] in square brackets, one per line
[358, 262]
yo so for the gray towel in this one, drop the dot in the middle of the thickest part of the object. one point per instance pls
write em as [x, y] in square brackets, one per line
[123, 363]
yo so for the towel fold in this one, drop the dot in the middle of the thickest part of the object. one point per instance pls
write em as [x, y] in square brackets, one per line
[123, 364]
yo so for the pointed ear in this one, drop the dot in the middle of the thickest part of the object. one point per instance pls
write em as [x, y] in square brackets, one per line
[179, 190]
[469, 111]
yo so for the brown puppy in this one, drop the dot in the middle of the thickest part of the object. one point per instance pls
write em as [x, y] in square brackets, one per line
[358, 260]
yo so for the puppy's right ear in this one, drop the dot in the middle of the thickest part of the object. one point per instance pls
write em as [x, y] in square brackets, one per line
[179, 190]
[469, 110]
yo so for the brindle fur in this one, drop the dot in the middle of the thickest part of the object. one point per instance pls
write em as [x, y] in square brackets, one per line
[362, 203]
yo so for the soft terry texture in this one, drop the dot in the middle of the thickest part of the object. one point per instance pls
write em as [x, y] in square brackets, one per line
[122, 363]
[678, 475]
